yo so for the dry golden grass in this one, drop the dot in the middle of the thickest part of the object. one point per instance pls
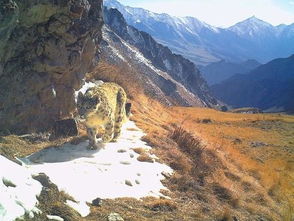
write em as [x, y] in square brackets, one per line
[161, 205]
[245, 174]
[145, 158]
[186, 141]
[228, 166]
[139, 150]
[123, 75]
[14, 146]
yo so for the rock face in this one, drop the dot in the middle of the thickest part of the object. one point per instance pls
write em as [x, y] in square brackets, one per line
[46, 47]
[174, 75]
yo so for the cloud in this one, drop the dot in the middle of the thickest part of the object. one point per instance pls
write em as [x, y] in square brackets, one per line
[291, 2]
[221, 13]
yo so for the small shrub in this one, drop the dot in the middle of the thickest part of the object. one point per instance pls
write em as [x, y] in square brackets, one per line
[145, 158]
[222, 193]
[187, 185]
[139, 150]
[247, 186]
[226, 216]
[162, 205]
[224, 108]
[255, 174]
[260, 199]
[273, 191]
[206, 121]
[178, 161]
[232, 176]
[187, 142]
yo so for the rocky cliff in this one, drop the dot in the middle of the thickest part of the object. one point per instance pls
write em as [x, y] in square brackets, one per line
[179, 70]
[46, 47]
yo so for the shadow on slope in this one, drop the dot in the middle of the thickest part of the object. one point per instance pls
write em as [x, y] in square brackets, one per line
[67, 152]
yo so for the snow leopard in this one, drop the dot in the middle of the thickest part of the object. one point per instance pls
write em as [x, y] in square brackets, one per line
[102, 110]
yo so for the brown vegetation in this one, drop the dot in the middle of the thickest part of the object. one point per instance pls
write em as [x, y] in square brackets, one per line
[145, 158]
[218, 174]
[214, 163]
[124, 75]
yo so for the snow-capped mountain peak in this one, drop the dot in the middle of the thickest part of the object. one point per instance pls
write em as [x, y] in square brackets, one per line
[202, 43]
[139, 14]
[252, 26]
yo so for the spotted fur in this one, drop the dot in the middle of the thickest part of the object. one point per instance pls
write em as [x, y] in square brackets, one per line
[102, 110]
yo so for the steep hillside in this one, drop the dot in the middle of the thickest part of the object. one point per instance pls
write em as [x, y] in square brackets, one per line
[217, 72]
[204, 44]
[168, 74]
[46, 47]
[225, 167]
[268, 87]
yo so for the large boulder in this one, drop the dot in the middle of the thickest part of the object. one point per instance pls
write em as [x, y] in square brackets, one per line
[46, 47]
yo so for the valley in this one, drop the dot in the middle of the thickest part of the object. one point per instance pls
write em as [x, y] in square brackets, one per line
[203, 44]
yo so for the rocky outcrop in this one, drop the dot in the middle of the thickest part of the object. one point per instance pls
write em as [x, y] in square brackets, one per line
[46, 47]
[177, 67]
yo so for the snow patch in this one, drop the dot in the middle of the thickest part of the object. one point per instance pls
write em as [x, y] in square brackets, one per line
[18, 191]
[53, 91]
[82, 208]
[55, 218]
[106, 173]
[167, 64]
[116, 52]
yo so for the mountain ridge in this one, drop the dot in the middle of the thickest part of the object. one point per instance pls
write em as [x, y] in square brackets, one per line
[215, 73]
[171, 74]
[204, 44]
[269, 87]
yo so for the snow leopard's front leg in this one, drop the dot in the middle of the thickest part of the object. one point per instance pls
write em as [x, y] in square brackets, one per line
[108, 132]
[92, 138]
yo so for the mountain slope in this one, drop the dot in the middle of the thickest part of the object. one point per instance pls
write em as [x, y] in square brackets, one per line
[270, 86]
[170, 75]
[217, 72]
[204, 44]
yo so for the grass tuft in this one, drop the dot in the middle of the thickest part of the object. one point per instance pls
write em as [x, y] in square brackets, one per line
[187, 142]
[145, 158]
[161, 205]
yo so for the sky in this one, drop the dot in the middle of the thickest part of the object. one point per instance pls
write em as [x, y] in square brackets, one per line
[222, 13]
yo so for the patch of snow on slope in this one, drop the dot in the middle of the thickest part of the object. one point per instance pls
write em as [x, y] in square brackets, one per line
[111, 172]
[116, 52]
[138, 56]
[167, 64]
[18, 191]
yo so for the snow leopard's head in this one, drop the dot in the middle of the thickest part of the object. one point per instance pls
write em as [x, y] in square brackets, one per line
[87, 103]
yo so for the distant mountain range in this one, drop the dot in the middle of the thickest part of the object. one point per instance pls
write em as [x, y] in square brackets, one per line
[204, 44]
[168, 77]
[269, 87]
[217, 72]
